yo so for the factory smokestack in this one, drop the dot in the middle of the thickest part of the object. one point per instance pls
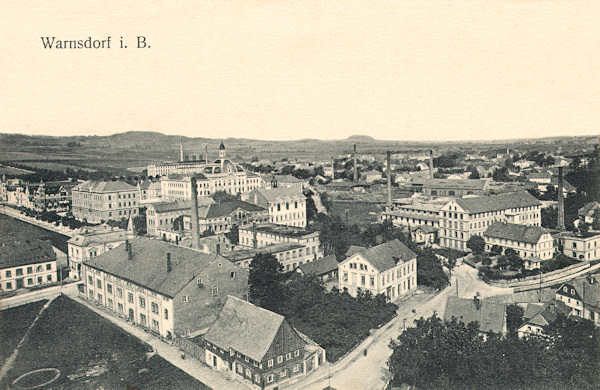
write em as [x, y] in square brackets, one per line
[431, 164]
[355, 165]
[389, 181]
[195, 227]
[561, 202]
[332, 169]
[206, 154]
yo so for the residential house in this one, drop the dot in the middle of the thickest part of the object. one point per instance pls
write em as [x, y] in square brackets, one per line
[491, 316]
[537, 316]
[389, 268]
[284, 181]
[286, 206]
[581, 246]
[92, 242]
[371, 176]
[582, 296]
[98, 201]
[166, 289]
[149, 191]
[462, 218]
[424, 234]
[26, 263]
[325, 268]
[587, 212]
[527, 241]
[259, 346]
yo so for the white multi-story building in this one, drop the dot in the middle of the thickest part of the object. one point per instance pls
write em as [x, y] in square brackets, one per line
[389, 268]
[533, 243]
[94, 242]
[168, 290]
[462, 218]
[26, 263]
[97, 201]
[414, 214]
[581, 246]
[268, 234]
[286, 206]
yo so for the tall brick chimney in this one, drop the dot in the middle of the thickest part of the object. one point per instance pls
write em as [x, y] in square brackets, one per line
[431, 164]
[206, 154]
[355, 165]
[332, 168]
[195, 227]
[389, 181]
[561, 201]
[254, 239]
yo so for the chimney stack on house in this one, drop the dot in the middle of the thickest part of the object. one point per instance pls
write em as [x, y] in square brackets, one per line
[129, 250]
[169, 265]
[355, 166]
[254, 239]
[561, 201]
[431, 163]
[195, 227]
[389, 181]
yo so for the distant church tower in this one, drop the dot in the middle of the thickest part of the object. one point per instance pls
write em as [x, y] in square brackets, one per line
[222, 152]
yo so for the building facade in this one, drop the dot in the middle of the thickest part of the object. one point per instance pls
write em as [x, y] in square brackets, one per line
[98, 201]
[389, 268]
[526, 240]
[582, 296]
[221, 217]
[286, 206]
[462, 218]
[259, 346]
[26, 263]
[581, 246]
[166, 289]
[162, 215]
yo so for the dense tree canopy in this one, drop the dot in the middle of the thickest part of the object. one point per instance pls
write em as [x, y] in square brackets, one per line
[476, 244]
[430, 271]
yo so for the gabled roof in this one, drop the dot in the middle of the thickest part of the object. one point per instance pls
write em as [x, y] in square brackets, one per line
[588, 208]
[180, 205]
[274, 194]
[148, 265]
[490, 316]
[354, 249]
[426, 229]
[515, 232]
[320, 267]
[248, 253]
[463, 184]
[14, 253]
[86, 239]
[587, 290]
[244, 327]
[104, 186]
[544, 314]
[387, 255]
[223, 209]
[486, 203]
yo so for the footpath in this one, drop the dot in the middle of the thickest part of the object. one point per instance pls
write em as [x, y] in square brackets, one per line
[43, 224]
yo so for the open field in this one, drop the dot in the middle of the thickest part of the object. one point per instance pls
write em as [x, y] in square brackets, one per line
[359, 213]
[10, 171]
[13, 325]
[91, 353]
[23, 230]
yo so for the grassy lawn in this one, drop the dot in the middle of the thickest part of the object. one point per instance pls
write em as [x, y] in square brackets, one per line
[25, 230]
[92, 353]
[13, 325]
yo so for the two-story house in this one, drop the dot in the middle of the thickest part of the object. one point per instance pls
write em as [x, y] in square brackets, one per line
[389, 268]
[286, 206]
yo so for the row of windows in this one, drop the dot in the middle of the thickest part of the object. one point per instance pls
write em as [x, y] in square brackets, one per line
[288, 356]
[29, 270]
[40, 280]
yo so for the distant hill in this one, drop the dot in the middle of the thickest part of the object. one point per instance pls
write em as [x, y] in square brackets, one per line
[360, 138]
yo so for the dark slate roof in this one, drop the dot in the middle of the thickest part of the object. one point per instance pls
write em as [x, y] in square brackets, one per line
[148, 266]
[584, 290]
[177, 205]
[320, 267]
[354, 249]
[185, 176]
[281, 230]
[486, 203]
[223, 209]
[104, 186]
[14, 253]
[491, 316]
[545, 314]
[273, 194]
[589, 207]
[387, 255]
[463, 184]
[86, 239]
[245, 328]
[248, 253]
[515, 232]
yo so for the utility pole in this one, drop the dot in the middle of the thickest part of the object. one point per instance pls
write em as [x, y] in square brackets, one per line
[457, 287]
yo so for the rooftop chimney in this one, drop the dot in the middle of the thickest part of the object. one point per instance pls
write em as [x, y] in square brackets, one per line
[389, 181]
[431, 164]
[355, 165]
[195, 227]
[254, 239]
[129, 251]
[561, 202]
[169, 265]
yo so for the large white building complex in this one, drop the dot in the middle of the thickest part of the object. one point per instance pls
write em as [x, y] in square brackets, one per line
[98, 201]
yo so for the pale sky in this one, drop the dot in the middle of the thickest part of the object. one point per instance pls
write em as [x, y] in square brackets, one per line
[276, 70]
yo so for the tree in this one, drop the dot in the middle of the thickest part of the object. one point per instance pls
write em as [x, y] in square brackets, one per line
[496, 249]
[596, 221]
[514, 318]
[476, 244]
[222, 196]
[430, 271]
[234, 234]
[265, 283]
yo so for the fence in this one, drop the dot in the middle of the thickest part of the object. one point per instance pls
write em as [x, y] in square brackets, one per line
[549, 277]
[190, 347]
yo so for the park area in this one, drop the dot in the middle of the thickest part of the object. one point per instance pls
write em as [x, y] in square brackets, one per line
[71, 347]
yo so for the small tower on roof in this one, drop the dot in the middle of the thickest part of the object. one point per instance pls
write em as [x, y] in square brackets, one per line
[222, 152]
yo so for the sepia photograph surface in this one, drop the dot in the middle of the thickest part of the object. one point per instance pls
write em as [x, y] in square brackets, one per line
[300, 195]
